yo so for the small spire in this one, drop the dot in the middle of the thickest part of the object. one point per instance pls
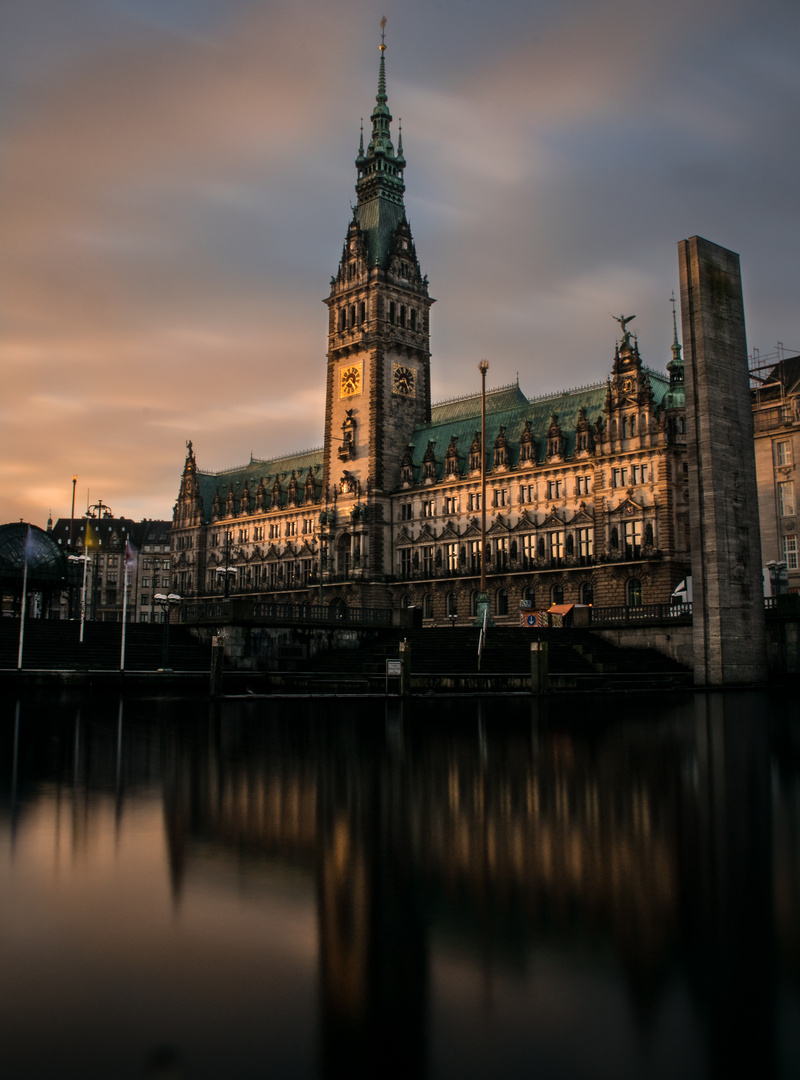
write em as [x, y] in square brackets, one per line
[676, 348]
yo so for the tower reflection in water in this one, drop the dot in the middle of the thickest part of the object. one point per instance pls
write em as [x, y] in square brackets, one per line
[441, 890]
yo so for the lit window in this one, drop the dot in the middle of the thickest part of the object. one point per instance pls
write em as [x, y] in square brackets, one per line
[790, 551]
[633, 538]
[427, 560]
[556, 545]
[452, 557]
[786, 497]
[475, 554]
[783, 452]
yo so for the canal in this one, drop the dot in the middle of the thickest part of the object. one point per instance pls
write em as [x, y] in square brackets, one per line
[582, 887]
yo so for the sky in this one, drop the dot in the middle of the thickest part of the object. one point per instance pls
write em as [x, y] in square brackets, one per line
[176, 178]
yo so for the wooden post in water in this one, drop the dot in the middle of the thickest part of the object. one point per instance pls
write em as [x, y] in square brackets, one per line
[539, 667]
[405, 678]
[217, 660]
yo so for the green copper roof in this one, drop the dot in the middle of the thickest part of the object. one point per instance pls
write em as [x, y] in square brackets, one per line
[249, 476]
[380, 185]
[508, 407]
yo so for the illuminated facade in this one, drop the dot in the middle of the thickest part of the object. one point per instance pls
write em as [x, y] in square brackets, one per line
[586, 490]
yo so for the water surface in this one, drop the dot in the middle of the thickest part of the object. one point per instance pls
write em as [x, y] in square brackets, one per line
[577, 888]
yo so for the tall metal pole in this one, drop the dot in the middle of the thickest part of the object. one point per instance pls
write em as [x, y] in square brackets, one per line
[72, 515]
[482, 603]
[83, 595]
[483, 367]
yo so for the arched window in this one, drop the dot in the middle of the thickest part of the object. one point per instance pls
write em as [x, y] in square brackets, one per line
[402, 315]
[633, 593]
[529, 595]
[427, 606]
[352, 314]
[342, 318]
[452, 604]
[405, 600]
[586, 593]
[392, 312]
[557, 594]
[502, 602]
[413, 318]
[473, 602]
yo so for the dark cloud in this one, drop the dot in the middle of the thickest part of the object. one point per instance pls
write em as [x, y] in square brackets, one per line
[178, 182]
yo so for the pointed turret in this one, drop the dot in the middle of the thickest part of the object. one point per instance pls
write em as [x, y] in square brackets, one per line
[380, 185]
[675, 398]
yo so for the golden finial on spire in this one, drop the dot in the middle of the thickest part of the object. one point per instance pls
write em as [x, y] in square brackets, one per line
[383, 34]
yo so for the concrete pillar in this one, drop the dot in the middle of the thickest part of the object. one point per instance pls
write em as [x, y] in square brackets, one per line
[729, 627]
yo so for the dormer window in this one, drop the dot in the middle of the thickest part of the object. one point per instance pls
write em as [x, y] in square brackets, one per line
[429, 463]
[475, 453]
[501, 450]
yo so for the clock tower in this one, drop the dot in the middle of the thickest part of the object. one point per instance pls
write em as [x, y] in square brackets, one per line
[378, 377]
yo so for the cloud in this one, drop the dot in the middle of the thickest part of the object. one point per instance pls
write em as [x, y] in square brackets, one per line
[177, 188]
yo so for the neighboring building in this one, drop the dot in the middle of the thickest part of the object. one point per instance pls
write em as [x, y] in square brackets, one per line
[586, 490]
[775, 382]
[108, 540]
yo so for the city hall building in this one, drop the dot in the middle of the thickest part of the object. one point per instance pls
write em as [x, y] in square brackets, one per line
[586, 490]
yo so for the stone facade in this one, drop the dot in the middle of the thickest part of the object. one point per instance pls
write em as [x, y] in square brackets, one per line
[586, 489]
[110, 542]
[775, 392]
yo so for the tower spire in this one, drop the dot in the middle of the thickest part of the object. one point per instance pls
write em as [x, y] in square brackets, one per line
[380, 187]
[675, 398]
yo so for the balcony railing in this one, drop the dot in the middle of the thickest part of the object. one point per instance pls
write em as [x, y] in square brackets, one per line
[244, 609]
[643, 612]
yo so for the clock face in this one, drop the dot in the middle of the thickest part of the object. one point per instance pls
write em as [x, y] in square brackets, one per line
[404, 380]
[350, 381]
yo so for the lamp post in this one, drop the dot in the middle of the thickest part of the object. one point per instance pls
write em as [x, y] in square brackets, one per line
[85, 559]
[227, 570]
[167, 601]
[482, 603]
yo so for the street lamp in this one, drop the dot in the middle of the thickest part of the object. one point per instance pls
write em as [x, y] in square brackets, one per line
[226, 571]
[482, 603]
[167, 601]
[86, 560]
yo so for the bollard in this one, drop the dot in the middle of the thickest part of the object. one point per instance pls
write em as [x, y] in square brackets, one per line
[539, 670]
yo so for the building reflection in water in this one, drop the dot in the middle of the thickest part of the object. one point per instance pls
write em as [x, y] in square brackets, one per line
[515, 885]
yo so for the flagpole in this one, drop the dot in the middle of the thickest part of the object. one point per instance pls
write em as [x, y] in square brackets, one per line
[124, 615]
[24, 599]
